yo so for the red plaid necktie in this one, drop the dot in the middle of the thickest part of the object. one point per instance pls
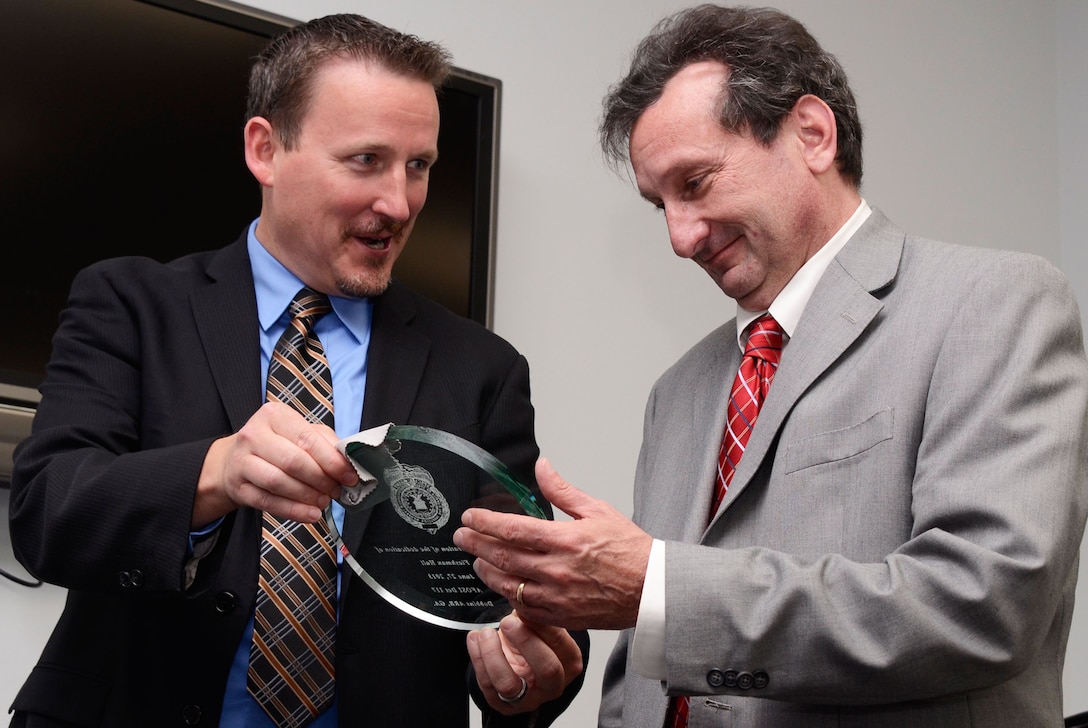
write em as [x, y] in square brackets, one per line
[757, 368]
[292, 662]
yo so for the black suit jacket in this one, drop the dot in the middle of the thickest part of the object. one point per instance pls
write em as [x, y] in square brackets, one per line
[153, 362]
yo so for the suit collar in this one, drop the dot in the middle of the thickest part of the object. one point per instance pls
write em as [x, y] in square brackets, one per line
[398, 354]
[843, 305]
[872, 255]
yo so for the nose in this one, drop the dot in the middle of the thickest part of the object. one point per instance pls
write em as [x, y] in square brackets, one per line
[392, 199]
[686, 230]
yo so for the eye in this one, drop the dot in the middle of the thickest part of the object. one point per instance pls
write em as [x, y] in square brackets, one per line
[657, 203]
[366, 158]
[421, 165]
[692, 185]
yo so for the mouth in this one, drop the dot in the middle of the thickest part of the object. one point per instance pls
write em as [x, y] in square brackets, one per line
[378, 237]
[711, 253]
[376, 244]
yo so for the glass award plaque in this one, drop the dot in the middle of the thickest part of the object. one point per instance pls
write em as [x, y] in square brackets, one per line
[415, 482]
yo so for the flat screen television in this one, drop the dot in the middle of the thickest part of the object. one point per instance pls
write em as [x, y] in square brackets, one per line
[121, 133]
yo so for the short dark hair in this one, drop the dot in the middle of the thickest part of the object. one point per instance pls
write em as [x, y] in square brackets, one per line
[282, 77]
[772, 62]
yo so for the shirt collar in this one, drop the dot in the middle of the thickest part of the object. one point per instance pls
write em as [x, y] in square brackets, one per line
[276, 286]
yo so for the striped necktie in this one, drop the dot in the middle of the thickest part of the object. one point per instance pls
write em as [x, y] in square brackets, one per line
[750, 386]
[292, 659]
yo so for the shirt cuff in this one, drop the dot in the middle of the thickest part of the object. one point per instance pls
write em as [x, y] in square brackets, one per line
[201, 544]
[648, 641]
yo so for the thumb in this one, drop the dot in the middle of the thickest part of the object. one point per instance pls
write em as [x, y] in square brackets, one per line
[562, 494]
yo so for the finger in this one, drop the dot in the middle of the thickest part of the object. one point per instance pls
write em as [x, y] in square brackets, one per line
[284, 508]
[561, 643]
[504, 568]
[510, 586]
[266, 471]
[288, 471]
[497, 580]
[564, 496]
[503, 579]
[494, 673]
[318, 441]
[550, 653]
[264, 486]
[503, 530]
[333, 463]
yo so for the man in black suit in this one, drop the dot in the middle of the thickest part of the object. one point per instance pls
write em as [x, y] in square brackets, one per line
[152, 457]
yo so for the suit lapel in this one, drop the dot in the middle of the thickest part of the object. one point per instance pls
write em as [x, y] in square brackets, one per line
[842, 307]
[226, 317]
[395, 362]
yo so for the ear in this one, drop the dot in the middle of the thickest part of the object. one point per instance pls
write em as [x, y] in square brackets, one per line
[817, 132]
[261, 145]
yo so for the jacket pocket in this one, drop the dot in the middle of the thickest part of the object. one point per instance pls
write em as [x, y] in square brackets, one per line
[841, 444]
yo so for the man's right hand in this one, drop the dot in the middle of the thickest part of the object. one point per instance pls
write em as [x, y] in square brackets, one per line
[278, 462]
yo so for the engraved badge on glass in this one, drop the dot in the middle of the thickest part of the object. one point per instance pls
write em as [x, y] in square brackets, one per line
[415, 482]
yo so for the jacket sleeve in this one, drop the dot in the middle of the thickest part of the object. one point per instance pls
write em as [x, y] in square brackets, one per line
[102, 492]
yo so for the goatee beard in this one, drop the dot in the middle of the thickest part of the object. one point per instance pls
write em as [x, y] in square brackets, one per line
[372, 282]
[363, 286]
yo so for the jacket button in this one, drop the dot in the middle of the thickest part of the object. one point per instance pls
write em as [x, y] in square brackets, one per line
[730, 679]
[715, 678]
[225, 602]
[745, 681]
[760, 679]
[191, 714]
[129, 579]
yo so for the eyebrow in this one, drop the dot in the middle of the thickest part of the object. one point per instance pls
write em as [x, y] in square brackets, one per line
[431, 155]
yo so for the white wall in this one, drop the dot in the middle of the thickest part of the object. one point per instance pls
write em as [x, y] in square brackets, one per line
[961, 107]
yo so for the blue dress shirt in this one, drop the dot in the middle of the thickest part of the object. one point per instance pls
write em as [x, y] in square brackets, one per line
[345, 335]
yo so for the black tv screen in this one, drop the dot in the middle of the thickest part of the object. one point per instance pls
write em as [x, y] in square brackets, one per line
[121, 134]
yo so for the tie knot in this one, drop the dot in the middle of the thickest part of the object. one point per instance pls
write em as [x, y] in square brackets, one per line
[309, 304]
[765, 339]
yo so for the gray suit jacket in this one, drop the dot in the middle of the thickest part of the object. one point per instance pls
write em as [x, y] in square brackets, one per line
[899, 546]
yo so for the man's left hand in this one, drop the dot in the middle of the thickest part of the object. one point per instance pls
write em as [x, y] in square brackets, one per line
[520, 666]
[581, 574]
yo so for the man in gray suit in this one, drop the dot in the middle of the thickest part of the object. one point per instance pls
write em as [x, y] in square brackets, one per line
[898, 545]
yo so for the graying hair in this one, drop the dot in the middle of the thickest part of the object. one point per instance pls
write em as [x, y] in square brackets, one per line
[772, 61]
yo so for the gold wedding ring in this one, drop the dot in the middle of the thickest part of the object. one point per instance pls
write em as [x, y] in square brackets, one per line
[521, 589]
